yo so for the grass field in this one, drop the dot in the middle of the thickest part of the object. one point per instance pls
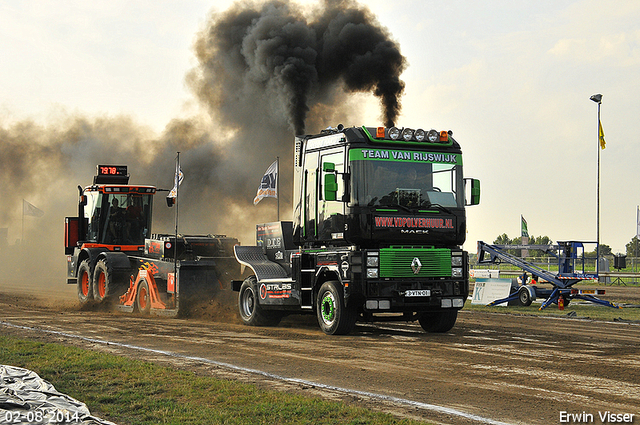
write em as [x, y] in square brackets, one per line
[578, 310]
[135, 392]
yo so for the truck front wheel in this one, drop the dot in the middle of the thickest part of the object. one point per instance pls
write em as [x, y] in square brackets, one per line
[334, 317]
[438, 322]
[85, 287]
[251, 312]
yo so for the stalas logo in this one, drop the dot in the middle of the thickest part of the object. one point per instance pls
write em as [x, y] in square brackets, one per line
[275, 290]
[414, 223]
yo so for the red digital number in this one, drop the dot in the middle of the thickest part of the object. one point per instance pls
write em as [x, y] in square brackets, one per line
[109, 170]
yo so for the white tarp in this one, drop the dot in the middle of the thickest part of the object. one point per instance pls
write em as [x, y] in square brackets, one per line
[26, 398]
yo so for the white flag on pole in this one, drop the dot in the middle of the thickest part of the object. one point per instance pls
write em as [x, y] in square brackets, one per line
[30, 209]
[269, 185]
[173, 194]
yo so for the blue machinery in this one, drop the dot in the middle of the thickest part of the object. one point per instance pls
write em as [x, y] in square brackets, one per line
[568, 254]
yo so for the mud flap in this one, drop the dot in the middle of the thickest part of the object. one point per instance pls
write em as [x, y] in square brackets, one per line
[256, 259]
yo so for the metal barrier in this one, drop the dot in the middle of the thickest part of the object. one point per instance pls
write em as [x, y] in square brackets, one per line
[616, 277]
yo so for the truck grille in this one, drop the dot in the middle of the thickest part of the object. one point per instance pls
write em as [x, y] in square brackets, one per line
[396, 262]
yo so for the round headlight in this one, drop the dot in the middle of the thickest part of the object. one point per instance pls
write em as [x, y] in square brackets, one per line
[394, 133]
[419, 135]
[433, 136]
[407, 134]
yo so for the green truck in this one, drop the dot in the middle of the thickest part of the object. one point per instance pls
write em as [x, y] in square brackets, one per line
[377, 233]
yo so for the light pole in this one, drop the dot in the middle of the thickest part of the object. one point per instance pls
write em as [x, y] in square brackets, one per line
[598, 99]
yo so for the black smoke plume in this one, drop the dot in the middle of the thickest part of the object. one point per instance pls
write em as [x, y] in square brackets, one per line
[271, 58]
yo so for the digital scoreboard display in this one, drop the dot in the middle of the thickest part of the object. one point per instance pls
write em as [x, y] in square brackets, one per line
[112, 170]
[111, 174]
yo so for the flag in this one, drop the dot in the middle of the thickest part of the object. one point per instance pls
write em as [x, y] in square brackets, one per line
[523, 227]
[601, 136]
[30, 209]
[268, 186]
[177, 181]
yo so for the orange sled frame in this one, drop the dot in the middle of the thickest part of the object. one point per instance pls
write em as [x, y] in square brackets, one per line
[143, 295]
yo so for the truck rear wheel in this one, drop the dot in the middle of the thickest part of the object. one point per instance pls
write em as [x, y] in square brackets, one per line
[143, 298]
[105, 288]
[85, 287]
[251, 312]
[334, 317]
[438, 322]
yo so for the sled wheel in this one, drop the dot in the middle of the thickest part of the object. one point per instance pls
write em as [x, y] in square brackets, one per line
[438, 322]
[524, 297]
[85, 289]
[251, 312]
[334, 317]
[143, 299]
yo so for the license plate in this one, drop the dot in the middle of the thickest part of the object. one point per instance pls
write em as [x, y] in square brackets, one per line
[417, 293]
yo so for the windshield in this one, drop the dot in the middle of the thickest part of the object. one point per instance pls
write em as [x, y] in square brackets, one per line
[420, 184]
[118, 219]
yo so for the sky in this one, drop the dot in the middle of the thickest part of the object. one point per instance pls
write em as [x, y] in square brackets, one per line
[511, 79]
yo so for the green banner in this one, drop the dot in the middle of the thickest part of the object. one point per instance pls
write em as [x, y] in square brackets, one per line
[524, 230]
[404, 156]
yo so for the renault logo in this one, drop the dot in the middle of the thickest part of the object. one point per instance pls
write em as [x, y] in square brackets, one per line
[416, 265]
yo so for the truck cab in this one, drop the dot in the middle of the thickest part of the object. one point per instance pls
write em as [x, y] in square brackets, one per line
[112, 214]
[118, 215]
[354, 188]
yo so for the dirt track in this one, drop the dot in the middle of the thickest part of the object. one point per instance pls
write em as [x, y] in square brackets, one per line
[513, 369]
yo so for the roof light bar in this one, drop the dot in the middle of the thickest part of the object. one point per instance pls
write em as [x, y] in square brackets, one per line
[406, 134]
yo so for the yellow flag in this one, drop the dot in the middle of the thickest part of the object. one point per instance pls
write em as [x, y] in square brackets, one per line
[601, 138]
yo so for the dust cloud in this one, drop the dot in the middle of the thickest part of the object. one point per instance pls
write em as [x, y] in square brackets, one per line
[266, 71]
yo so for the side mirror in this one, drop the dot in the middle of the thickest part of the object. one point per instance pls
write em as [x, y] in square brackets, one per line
[82, 196]
[330, 181]
[330, 187]
[472, 191]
